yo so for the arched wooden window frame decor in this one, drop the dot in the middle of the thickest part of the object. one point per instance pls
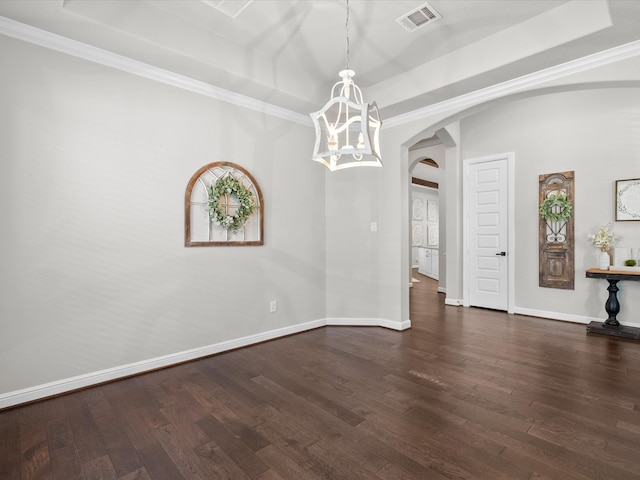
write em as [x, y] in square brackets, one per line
[197, 222]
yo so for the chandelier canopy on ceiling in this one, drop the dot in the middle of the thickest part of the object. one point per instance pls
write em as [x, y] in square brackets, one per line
[347, 128]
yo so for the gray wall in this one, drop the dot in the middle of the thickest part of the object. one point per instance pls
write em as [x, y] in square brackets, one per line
[92, 178]
[592, 132]
[94, 167]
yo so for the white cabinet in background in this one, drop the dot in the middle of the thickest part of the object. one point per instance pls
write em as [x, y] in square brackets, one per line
[435, 263]
[428, 259]
[424, 261]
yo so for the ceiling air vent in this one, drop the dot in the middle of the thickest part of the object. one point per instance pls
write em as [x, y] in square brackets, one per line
[232, 8]
[419, 17]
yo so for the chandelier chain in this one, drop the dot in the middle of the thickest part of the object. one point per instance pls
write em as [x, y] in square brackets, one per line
[346, 26]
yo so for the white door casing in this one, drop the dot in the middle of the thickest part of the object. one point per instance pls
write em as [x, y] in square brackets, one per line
[488, 232]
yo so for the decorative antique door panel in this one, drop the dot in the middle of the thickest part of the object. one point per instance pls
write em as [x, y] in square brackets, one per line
[556, 238]
[488, 234]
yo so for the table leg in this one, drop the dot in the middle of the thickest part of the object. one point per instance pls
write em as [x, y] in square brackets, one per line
[612, 305]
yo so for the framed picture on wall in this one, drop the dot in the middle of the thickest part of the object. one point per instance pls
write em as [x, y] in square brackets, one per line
[432, 211]
[418, 209]
[433, 232]
[628, 200]
[417, 235]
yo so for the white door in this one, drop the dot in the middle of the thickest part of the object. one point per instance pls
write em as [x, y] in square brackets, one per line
[487, 220]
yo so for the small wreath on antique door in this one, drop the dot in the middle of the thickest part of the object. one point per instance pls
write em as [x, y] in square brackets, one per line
[556, 208]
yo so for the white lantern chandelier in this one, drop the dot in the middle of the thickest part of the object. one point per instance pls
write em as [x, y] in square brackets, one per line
[347, 129]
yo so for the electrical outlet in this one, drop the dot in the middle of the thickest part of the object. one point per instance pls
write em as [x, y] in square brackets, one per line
[273, 307]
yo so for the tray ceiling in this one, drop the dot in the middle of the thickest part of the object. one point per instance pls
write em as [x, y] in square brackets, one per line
[288, 52]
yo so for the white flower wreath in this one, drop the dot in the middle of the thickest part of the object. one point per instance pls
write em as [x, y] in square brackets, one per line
[230, 185]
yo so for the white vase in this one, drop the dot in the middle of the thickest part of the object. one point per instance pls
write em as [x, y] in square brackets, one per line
[604, 260]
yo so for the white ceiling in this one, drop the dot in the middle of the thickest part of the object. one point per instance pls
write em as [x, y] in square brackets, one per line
[288, 52]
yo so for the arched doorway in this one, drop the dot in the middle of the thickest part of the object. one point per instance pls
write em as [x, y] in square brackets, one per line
[442, 148]
[425, 174]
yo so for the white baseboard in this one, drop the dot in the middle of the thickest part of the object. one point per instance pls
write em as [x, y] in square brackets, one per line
[565, 317]
[94, 378]
[58, 387]
[369, 322]
[406, 324]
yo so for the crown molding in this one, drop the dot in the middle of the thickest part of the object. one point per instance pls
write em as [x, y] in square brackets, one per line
[43, 38]
[62, 44]
[520, 84]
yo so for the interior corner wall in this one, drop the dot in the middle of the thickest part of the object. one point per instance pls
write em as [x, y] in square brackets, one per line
[94, 272]
[352, 247]
[453, 216]
[394, 246]
[594, 133]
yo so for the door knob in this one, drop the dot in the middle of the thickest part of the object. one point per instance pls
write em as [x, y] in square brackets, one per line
[502, 254]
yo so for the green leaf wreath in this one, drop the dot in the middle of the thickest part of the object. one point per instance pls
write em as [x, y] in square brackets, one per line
[552, 214]
[230, 185]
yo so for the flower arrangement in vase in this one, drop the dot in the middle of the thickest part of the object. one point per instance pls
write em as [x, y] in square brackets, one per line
[603, 240]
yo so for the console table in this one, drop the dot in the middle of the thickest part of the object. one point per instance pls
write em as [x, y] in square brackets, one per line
[611, 326]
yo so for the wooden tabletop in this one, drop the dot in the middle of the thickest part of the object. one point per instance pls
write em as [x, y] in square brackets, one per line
[601, 273]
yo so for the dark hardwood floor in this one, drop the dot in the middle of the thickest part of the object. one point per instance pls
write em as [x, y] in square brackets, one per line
[465, 394]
